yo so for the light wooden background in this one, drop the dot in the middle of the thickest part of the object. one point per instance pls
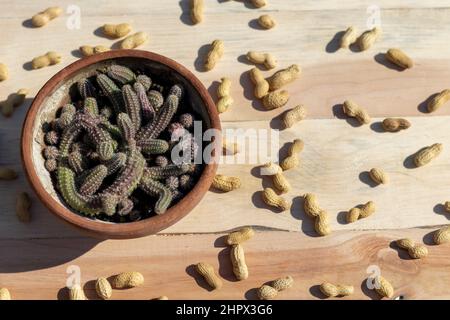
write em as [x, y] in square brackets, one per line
[34, 257]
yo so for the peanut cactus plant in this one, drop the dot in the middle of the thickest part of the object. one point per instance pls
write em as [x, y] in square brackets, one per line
[109, 149]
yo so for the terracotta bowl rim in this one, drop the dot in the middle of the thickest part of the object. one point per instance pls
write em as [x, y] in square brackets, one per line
[97, 228]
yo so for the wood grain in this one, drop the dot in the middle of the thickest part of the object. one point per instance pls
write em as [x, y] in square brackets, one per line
[335, 155]
[334, 165]
[39, 272]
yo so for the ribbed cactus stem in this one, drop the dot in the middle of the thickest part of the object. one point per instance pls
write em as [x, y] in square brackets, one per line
[121, 74]
[126, 127]
[132, 105]
[156, 99]
[129, 177]
[66, 185]
[67, 114]
[68, 136]
[148, 112]
[100, 138]
[111, 90]
[90, 106]
[145, 81]
[164, 172]
[93, 180]
[105, 149]
[115, 163]
[176, 90]
[109, 203]
[161, 121]
[86, 88]
[68, 108]
[51, 152]
[155, 188]
[154, 146]
[106, 112]
[77, 162]
[112, 129]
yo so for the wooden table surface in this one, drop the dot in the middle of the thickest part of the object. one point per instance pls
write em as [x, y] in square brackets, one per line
[35, 257]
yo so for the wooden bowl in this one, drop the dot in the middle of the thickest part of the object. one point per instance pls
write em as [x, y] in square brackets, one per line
[56, 92]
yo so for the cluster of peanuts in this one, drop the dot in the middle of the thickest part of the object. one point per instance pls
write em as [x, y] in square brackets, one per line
[267, 89]
[41, 19]
[240, 268]
[104, 286]
[421, 158]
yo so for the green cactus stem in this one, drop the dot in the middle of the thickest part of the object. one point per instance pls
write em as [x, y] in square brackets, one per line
[121, 74]
[68, 108]
[106, 149]
[129, 177]
[109, 203]
[93, 180]
[148, 112]
[126, 127]
[157, 173]
[90, 106]
[155, 188]
[111, 90]
[161, 121]
[113, 130]
[66, 117]
[116, 162]
[86, 88]
[132, 105]
[145, 81]
[100, 138]
[154, 146]
[66, 185]
[156, 99]
[79, 147]
[77, 162]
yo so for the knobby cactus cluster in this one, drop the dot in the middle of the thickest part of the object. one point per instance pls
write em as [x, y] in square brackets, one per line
[109, 149]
